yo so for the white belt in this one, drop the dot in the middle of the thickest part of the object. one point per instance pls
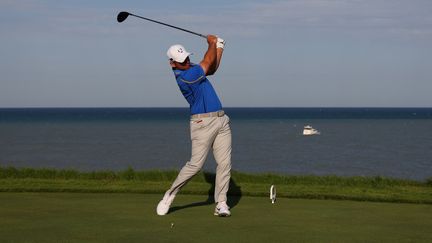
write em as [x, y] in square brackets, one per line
[210, 114]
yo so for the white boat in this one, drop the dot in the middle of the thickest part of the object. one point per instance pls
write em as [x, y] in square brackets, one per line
[309, 130]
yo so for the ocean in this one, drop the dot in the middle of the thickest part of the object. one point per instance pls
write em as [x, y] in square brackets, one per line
[391, 142]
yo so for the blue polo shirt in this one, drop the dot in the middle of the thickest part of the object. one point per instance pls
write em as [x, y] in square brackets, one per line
[197, 90]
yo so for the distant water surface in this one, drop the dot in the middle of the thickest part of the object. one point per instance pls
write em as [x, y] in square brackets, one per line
[394, 142]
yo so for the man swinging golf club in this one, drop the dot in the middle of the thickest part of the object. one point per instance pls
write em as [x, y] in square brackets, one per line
[209, 126]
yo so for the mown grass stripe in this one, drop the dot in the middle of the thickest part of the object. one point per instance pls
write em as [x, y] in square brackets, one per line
[160, 175]
[361, 190]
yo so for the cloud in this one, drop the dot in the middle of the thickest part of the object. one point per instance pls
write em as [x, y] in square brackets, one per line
[37, 18]
[244, 18]
[258, 18]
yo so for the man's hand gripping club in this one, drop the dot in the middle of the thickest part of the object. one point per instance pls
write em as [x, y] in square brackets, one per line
[213, 56]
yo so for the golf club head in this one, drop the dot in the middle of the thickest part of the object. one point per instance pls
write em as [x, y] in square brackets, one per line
[122, 16]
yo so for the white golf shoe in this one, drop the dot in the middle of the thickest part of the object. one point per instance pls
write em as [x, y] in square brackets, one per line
[165, 203]
[222, 210]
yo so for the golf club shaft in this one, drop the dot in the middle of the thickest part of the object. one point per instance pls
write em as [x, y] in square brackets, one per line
[172, 26]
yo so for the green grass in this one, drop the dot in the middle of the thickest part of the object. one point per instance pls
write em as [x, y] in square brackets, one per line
[121, 208]
[379, 189]
[158, 175]
[119, 217]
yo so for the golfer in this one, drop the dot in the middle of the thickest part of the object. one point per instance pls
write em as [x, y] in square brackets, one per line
[209, 126]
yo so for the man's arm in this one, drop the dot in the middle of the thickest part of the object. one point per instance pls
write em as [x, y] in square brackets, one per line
[209, 63]
[219, 52]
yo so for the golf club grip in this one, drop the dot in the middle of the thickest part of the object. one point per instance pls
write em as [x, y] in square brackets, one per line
[172, 26]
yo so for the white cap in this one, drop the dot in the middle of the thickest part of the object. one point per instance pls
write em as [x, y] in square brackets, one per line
[177, 53]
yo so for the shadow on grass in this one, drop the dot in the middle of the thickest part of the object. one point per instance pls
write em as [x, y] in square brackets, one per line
[234, 194]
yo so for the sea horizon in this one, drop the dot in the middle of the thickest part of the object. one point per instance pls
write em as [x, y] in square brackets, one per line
[77, 113]
[186, 107]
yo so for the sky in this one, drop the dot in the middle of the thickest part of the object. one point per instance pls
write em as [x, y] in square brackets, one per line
[292, 53]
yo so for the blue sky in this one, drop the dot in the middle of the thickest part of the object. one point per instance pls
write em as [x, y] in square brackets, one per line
[317, 53]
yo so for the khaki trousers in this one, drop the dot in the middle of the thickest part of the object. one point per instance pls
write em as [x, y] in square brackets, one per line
[206, 133]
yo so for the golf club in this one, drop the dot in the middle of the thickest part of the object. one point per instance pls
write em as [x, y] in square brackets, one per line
[123, 15]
